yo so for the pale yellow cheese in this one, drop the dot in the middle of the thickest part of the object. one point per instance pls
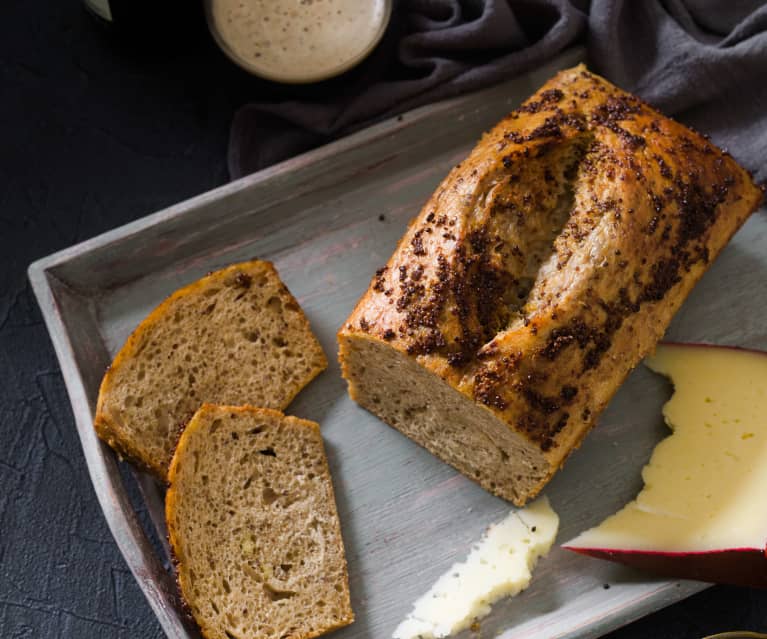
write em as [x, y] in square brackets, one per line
[705, 484]
[500, 565]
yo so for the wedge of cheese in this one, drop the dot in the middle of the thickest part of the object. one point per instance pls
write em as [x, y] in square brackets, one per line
[701, 512]
[500, 565]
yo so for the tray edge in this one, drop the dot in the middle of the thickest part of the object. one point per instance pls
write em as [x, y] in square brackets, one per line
[130, 538]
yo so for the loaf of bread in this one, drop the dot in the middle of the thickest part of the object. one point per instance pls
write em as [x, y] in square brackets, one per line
[253, 526]
[540, 272]
[237, 336]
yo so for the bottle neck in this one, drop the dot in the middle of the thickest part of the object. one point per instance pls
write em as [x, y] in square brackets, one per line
[101, 8]
[151, 25]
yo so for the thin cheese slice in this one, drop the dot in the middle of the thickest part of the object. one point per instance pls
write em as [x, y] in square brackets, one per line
[500, 565]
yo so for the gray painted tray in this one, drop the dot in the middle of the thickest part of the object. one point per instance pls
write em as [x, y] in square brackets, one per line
[328, 219]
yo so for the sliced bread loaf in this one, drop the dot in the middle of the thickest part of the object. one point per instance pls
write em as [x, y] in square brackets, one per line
[237, 336]
[253, 526]
[543, 269]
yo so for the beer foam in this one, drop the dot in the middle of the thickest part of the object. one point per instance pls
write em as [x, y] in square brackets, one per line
[298, 40]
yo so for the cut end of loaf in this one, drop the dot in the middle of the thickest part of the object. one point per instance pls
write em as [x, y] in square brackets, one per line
[253, 526]
[397, 389]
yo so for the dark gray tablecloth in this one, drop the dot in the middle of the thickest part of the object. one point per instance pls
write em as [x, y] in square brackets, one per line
[704, 61]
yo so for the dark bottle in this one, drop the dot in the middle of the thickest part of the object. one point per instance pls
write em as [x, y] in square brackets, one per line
[149, 20]
[100, 8]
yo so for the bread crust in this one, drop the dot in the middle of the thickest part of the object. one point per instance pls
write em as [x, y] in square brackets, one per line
[107, 425]
[653, 204]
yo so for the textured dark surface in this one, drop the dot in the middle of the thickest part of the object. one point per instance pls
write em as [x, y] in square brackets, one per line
[95, 134]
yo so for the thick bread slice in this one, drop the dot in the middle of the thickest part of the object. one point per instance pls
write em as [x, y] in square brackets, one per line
[539, 273]
[236, 336]
[252, 523]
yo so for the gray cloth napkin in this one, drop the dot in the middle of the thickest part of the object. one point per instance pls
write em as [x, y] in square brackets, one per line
[703, 61]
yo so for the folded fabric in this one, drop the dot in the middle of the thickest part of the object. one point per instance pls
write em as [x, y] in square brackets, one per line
[704, 61]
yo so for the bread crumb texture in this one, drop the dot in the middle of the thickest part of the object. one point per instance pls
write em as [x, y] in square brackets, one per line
[253, 526]
[236, 336]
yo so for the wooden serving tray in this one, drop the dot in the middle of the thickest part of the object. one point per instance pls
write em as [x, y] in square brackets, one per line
[328, 219]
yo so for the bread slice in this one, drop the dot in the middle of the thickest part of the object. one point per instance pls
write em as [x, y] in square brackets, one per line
[539, 273]
[252, 523]
[236, 336]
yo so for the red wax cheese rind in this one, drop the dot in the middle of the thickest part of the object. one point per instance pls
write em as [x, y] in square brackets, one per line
[737, 567]
[700, 514]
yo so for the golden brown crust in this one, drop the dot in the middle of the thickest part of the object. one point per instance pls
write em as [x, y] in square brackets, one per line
[653, 205]
[124, 447]
[108, 426]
